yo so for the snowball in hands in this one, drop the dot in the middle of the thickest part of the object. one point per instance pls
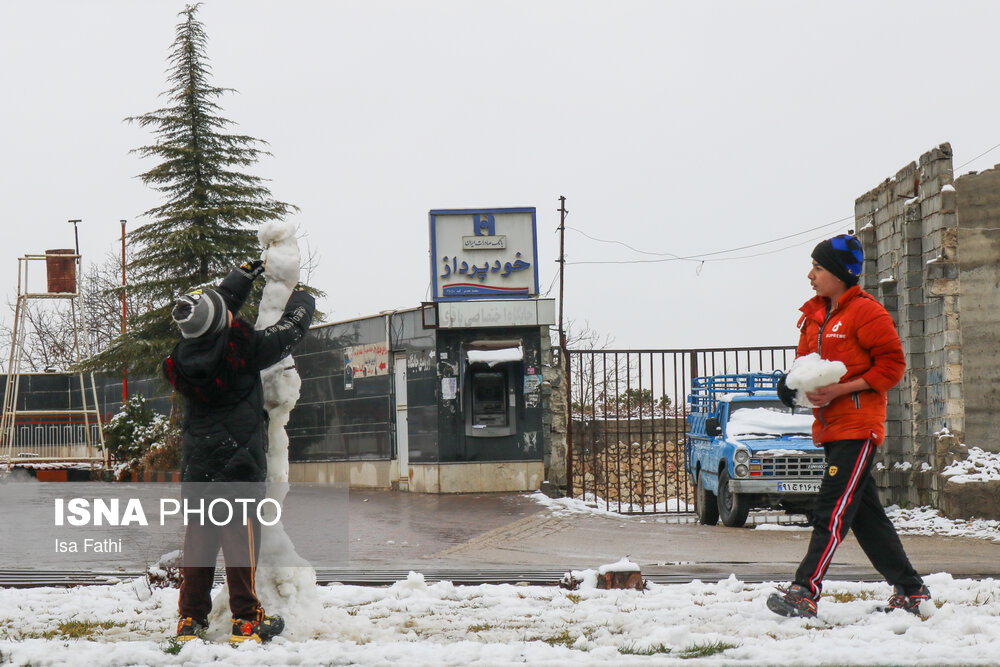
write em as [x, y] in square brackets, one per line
[812, 372]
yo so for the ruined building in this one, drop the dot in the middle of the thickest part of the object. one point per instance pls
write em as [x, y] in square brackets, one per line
[932, 248]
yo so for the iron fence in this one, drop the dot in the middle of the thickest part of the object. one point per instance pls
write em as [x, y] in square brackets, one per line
[627, 424]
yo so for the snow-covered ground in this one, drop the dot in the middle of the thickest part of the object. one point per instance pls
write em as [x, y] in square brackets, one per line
[415, 623]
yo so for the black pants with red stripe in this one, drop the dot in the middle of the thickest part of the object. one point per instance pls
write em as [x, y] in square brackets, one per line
[848, 500]
[240, 548]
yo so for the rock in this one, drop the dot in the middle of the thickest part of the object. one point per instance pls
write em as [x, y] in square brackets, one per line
[967, 500]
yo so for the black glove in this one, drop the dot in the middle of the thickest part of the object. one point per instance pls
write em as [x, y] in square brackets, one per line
[253, 268]
[235, 288]
[786, 393]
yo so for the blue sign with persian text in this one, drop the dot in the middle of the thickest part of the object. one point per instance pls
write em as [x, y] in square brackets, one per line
[484, 254]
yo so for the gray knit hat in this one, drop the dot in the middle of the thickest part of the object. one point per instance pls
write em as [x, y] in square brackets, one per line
[200, 312]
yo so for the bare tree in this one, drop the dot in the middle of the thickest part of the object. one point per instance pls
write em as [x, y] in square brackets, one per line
[48, 325]
[607, 384]
[585, 383]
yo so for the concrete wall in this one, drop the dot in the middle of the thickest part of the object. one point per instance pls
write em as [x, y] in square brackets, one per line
[377, 474]
[476, 477]
[932, 252]
[978, 204]
[424, 477]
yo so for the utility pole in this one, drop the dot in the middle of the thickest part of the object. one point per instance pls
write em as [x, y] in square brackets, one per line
[124, 316]
[76, 235]
[562, 267]
[563, 354]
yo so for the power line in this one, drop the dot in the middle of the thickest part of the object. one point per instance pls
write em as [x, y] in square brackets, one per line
[669, 256]
[702, 261]
[975, 158]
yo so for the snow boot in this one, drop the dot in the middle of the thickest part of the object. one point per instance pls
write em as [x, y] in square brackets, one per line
[263, 630]
[910, 603]
[189, 628]
[792, 601]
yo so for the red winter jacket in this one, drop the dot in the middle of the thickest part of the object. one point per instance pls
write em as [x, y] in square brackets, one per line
[860, 333]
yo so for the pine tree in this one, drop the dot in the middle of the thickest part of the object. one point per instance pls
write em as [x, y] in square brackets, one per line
[207, 223]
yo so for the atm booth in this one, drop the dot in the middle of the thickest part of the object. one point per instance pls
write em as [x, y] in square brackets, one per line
[447, 397]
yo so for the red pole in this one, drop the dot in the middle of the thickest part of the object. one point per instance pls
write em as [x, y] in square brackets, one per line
[124, 314]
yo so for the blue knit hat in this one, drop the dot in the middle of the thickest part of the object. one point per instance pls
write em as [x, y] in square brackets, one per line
[842, 256]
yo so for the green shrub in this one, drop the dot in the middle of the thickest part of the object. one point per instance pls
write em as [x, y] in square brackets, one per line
[137, 439]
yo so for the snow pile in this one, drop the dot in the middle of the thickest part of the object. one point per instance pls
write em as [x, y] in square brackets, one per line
[592, 504]
[929, 521]
[812, 372]
[624, 565]
[917, 521]
[763, 422]
[980, 466]
[587, 579]
[413, 623]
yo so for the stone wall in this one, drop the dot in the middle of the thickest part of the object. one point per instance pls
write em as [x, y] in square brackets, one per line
[556, 415]
[932, 248]
[636, 477]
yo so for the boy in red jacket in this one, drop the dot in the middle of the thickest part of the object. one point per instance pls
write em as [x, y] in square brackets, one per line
[844, 323]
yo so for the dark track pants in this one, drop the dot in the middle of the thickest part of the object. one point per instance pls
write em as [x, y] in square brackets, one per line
[240, 549]
[848, 499]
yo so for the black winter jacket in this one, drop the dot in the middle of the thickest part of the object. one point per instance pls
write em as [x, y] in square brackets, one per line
[225, 426]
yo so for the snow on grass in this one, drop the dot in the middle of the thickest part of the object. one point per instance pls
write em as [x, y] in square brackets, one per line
[415, 623]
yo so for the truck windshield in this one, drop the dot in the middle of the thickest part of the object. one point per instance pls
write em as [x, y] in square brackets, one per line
[770, 404]
[766, 419]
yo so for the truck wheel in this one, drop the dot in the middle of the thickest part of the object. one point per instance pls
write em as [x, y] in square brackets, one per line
[733, 507]
[705, 504]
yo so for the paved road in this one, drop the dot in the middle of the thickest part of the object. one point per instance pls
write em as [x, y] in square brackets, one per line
[367, 532]
[513, 531]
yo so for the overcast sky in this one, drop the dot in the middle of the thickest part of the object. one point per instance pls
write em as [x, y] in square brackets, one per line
[673, 127]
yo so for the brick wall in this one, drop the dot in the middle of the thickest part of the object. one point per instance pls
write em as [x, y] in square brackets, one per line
[932, 248]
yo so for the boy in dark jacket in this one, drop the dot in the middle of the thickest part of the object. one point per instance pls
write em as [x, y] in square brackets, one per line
[216, 368]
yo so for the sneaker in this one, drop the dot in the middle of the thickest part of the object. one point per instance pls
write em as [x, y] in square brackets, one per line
[264, 630]
[792, 601]
[910, 603]
[189, 628]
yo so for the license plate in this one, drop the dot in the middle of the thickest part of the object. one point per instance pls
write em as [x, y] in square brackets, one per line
[798, 487]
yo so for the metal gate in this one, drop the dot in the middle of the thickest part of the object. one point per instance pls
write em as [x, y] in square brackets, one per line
[628, 410]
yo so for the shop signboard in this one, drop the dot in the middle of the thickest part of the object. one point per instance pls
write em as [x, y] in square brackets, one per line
[484, 254]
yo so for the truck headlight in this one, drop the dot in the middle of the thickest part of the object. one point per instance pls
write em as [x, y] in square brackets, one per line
[741, 470]
[741, 455]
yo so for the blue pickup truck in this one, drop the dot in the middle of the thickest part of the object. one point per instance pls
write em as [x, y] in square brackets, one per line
[745, 449]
